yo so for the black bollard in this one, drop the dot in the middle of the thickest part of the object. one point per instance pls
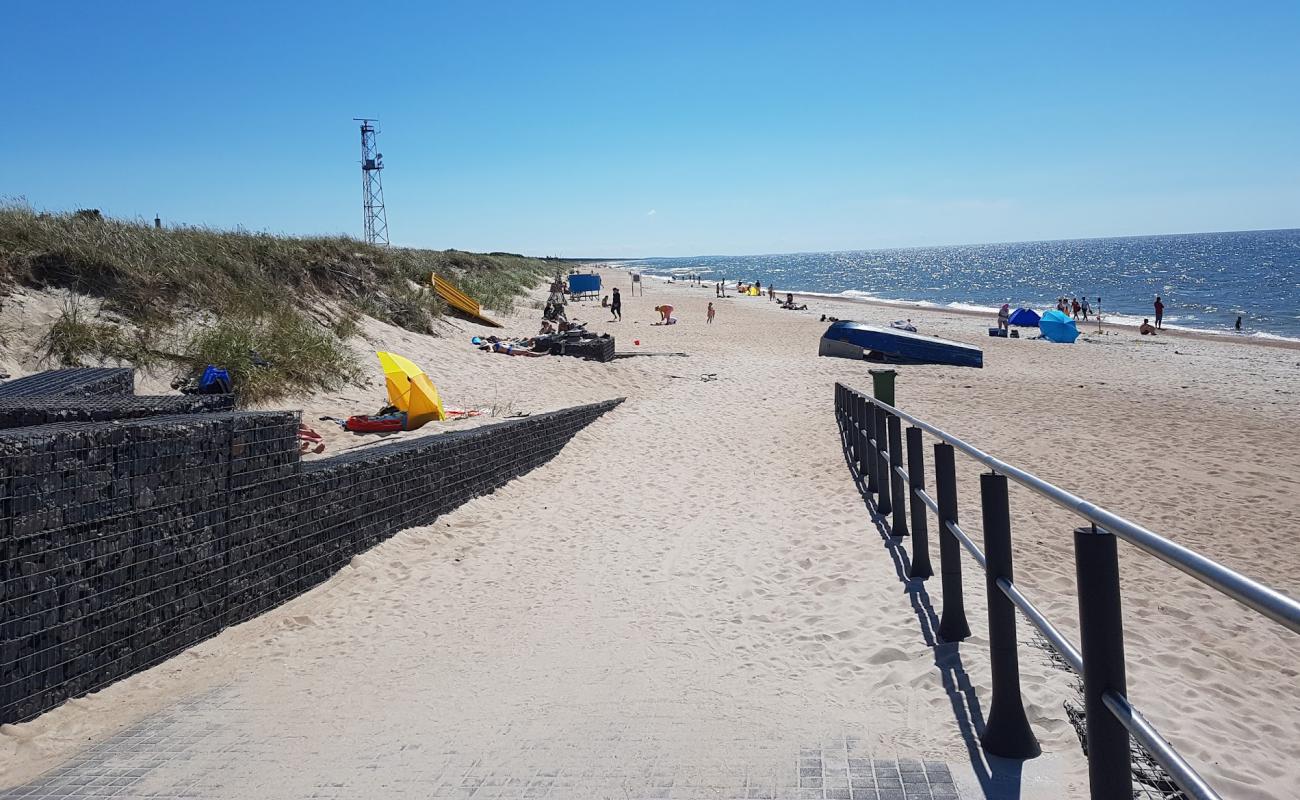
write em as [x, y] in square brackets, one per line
[1006, 732]
[883, 505]
[866, 461]
[897, 497]
[915, 483]
[952, 620]
[1101, 631]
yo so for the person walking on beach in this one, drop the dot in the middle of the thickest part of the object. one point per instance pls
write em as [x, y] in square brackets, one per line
[710, 317]
[616, 307]
[1087, 309]
[1077, 307]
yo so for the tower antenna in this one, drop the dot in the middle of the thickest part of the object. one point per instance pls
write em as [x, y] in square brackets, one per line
[372, 185]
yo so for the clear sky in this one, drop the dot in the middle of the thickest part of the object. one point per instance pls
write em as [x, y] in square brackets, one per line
[662, 128]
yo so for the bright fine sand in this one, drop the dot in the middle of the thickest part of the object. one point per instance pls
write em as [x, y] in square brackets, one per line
[697, 569]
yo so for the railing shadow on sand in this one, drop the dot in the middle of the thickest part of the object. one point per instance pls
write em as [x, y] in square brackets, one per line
[999, 778]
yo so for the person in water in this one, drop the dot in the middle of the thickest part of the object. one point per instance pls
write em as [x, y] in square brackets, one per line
[1147, 329]
[1238, 326]
[1160, 313]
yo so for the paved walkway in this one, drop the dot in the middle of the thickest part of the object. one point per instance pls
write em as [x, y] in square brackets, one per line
[203, 748]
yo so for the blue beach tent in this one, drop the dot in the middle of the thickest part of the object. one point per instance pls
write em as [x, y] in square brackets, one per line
[1024, 318]
[1057, 327]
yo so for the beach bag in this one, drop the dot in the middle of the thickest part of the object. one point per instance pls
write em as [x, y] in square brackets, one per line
[215, 380]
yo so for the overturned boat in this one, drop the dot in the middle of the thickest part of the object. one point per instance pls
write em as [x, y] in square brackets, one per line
[854, 340]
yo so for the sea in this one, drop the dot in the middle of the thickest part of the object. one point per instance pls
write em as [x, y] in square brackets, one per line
[1206, 280]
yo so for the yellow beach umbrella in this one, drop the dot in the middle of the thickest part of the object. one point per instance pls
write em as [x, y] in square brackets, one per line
[410, 390]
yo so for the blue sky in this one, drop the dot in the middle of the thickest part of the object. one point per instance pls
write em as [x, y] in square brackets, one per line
[613, 129]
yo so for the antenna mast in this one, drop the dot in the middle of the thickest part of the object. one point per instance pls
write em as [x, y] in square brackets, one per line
[372, 185]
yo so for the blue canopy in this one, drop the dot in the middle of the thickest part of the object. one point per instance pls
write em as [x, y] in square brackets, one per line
[1058, 328]
[1025, 318]
[584, 284]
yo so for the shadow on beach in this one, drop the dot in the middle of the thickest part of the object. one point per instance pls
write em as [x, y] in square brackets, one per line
[999, 778]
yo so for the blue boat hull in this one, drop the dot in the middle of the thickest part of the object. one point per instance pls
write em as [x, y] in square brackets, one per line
[855, 340]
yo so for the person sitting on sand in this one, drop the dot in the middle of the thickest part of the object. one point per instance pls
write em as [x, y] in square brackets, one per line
[1147, 328]
[1004, 317]
[511, 348]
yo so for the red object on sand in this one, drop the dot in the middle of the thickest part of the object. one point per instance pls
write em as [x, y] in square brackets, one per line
[365, 424]
[636, 342]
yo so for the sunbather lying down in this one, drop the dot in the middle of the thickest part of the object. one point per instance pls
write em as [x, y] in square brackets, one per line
[509, 348]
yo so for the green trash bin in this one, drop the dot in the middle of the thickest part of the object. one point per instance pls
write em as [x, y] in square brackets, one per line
[883, 384]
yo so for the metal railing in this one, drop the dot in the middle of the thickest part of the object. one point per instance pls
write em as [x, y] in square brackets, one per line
[873, 432]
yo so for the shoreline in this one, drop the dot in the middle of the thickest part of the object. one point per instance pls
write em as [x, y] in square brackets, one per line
[1226, 337]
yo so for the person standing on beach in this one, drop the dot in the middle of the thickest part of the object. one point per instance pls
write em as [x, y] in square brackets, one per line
[1087, 309]
[1160, 312]
[616, 306]
[1004, 317]
[1238, 323]
[710, 317]
[1077, 307]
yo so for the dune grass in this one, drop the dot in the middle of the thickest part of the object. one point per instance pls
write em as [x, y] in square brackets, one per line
[251, 289]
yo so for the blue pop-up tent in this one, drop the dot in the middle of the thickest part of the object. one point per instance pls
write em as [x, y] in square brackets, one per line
[1057, 327]
[1025, 318]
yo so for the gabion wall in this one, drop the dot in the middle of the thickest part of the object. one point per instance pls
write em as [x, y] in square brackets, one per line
[123, 543]
[25, 411]
[76, 381]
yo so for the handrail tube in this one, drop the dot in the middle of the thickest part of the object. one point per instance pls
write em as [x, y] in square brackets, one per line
[1250, 593]
[1164, 753]
[901, 473]
[1031, 612]
[966, 542]
[927, 499]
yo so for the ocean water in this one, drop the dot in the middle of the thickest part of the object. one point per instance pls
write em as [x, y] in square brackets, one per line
[1205, 279]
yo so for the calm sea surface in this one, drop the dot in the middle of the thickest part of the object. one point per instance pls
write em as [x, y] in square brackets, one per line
[1205, 280]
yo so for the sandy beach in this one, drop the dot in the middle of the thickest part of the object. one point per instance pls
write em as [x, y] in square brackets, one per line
[699, 566]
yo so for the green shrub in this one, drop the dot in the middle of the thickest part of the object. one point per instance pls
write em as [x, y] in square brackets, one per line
[300, 356]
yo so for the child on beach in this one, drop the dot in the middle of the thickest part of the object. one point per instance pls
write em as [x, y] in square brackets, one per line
[710, 317]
